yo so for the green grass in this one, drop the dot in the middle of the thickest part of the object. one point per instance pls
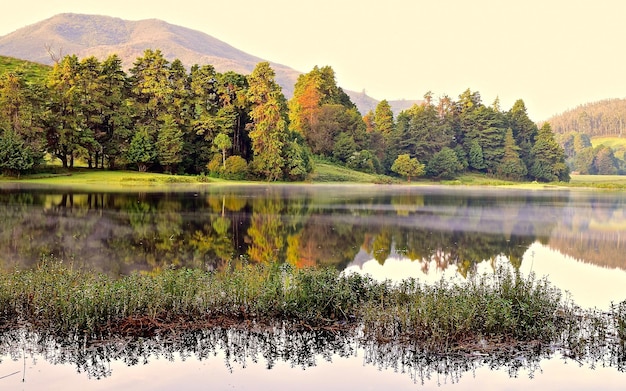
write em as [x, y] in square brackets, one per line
[109, 180]
[475, 314]
[616, 143]
[329, 172]
[33, 72]
[617, 182]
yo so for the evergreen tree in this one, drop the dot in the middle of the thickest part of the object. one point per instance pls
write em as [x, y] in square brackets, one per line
[64, 118]
[141, 150]
[169, 143]
[476, 159]
[114, 134]
[548, 158]
[269, 115]
[524, 130]
[444, 165]
[512, 166]
[383, 118]
[15, 156]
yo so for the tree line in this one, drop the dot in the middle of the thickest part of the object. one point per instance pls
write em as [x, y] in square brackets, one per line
[160, 116]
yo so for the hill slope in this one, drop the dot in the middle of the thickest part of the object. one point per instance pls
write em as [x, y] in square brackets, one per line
[34, 72]
[100, 36]
[604, 118]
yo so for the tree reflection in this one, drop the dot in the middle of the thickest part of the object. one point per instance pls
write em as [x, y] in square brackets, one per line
[304, 226]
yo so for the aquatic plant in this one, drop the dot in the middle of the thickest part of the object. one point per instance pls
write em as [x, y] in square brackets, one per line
[486, 312]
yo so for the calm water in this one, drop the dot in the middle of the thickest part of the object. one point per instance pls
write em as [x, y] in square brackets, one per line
[573, 237]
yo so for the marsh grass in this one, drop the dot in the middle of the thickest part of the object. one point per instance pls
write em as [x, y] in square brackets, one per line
[481, 312]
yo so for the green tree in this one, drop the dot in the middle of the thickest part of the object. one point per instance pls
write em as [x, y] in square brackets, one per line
[605, 162]
[20, 111]
[409, 167]
[476, 159]
[114, 133]
[169, 143]
[269, 116]
[524, 130]
[548, 158]
[583, 161]
[444, 165]
[344, 147]
[298, 158]
[364, 161]
[151, 90]
[64, 118]
[383, 118]
[222, 141]
[141, 150]
[512, 166]
[15, 156]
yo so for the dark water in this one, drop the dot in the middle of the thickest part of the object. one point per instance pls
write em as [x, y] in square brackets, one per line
[574, 237]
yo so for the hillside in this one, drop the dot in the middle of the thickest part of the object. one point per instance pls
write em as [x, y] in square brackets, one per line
[100, 36]
[603, 118]
[34, 72]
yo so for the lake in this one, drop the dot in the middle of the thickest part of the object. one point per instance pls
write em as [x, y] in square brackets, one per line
[574, 237]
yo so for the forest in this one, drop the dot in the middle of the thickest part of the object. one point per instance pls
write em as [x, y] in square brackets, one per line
[160, 116]
[592, 137]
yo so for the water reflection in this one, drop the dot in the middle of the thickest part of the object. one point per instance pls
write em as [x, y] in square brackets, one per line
[306, 225]
[272, 348]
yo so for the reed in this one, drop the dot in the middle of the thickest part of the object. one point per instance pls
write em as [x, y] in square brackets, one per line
[502, 307]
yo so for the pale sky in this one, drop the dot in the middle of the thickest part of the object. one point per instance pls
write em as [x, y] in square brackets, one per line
[553, 54]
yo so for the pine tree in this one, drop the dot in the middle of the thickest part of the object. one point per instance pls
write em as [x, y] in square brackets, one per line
[269, 128]
[512, 166]
[169, 143]
[548, 158]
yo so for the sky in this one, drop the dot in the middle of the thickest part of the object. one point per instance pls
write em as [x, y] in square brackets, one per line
[553, 54]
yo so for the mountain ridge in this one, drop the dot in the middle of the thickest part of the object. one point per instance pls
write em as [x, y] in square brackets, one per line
[100, 36]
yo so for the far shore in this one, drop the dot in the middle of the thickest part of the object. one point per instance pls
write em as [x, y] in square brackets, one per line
[132, 180]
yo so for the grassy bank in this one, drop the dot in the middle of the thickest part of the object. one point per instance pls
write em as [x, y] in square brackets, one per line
[324, 173]
[445, 316]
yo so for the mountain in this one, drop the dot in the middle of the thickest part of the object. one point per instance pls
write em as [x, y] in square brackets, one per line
[603, 118]
[100, 36]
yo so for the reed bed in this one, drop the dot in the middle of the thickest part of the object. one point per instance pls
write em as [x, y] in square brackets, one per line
[482, 312]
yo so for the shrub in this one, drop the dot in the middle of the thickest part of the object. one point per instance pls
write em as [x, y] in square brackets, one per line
[236, 168]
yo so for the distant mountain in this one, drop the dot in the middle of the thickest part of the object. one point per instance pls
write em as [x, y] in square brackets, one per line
[603, 118]
[100, 36]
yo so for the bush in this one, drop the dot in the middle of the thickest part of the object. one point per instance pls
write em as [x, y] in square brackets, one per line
[215, 165]
[236, 168]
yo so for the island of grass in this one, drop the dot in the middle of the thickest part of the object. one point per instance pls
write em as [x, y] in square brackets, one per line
[501, 311]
